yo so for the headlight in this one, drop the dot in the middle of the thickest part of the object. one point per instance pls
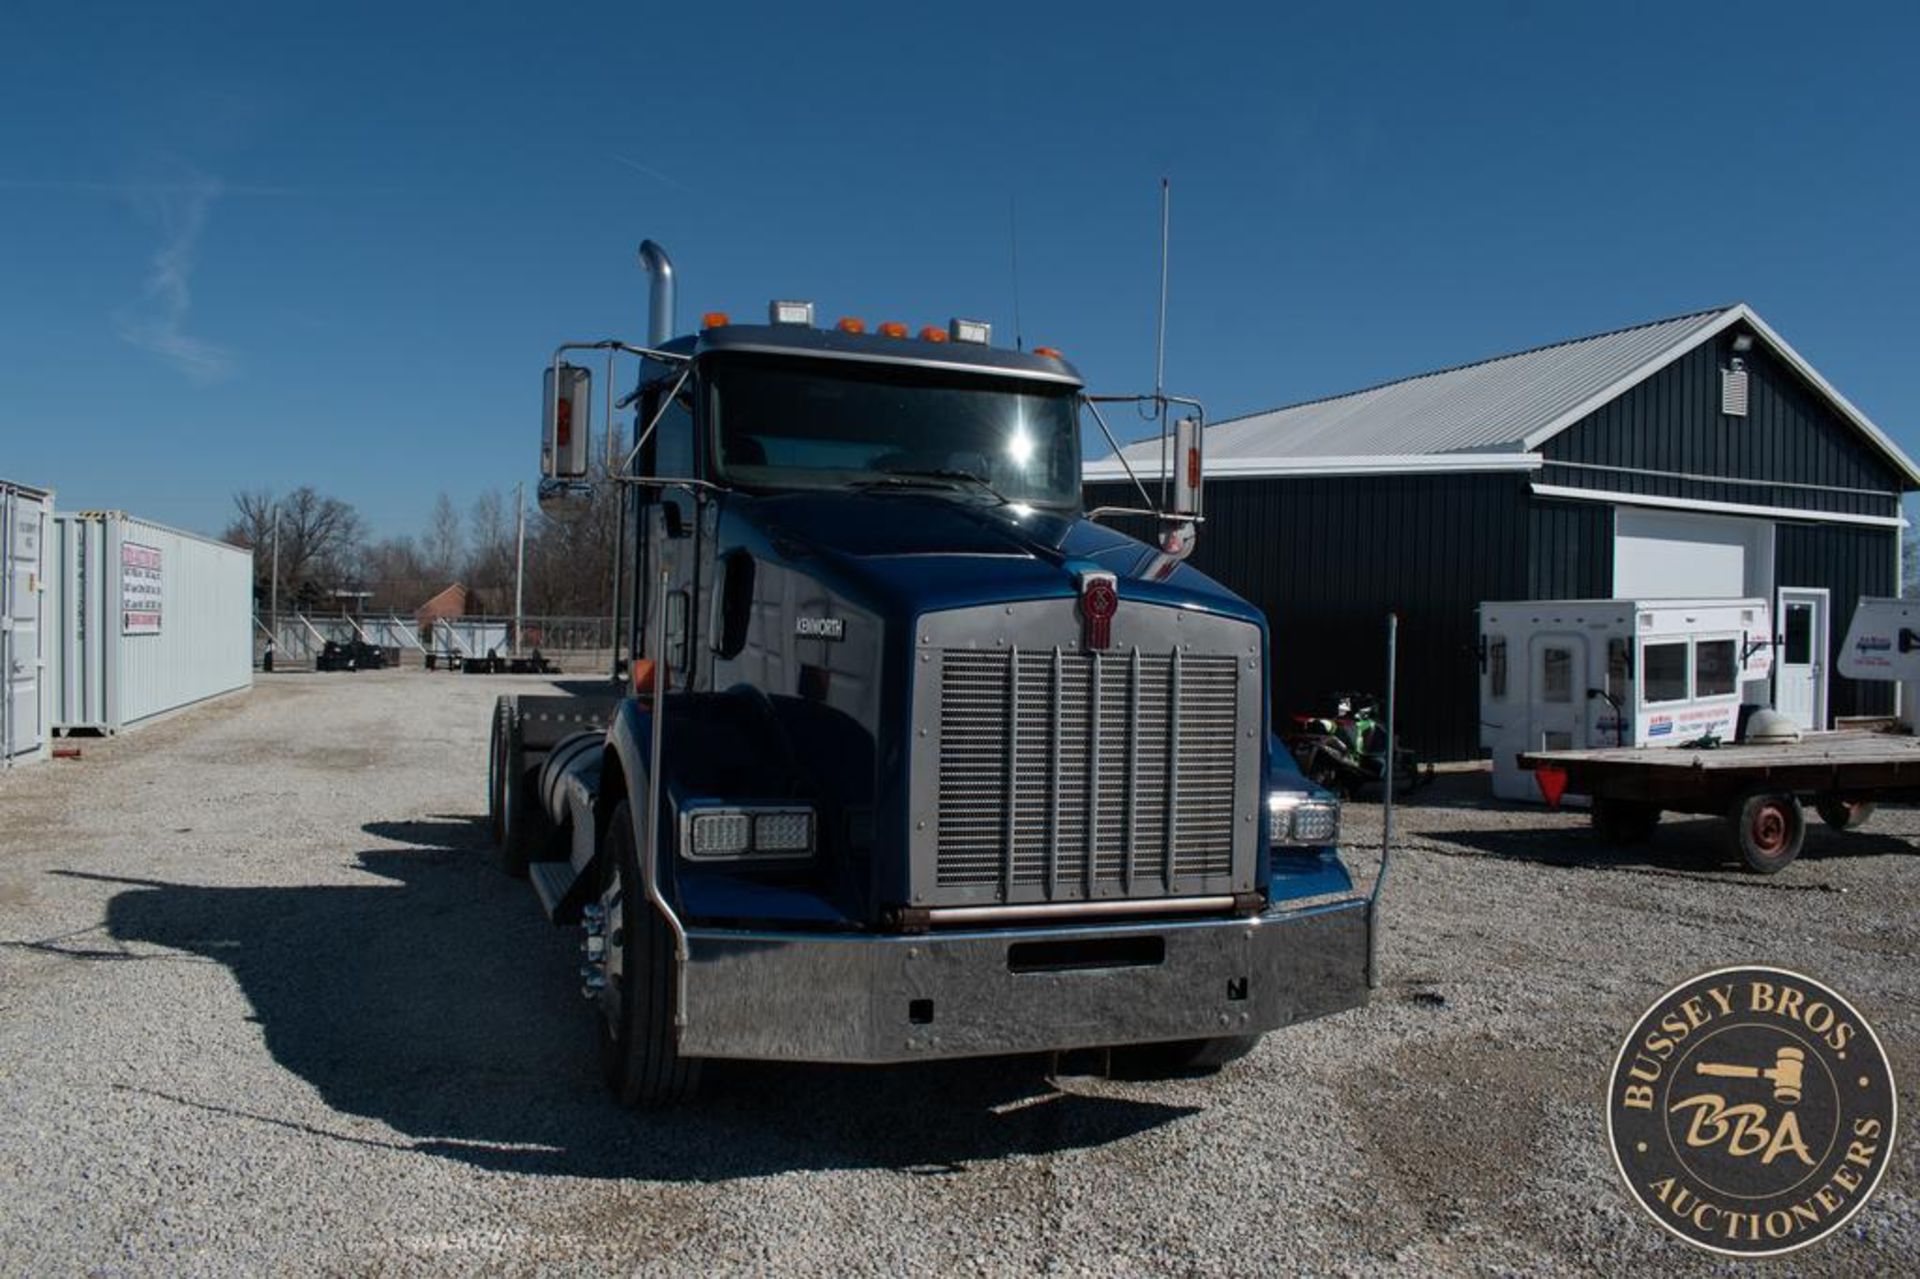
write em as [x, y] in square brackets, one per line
[1302, 821]
[732, 833]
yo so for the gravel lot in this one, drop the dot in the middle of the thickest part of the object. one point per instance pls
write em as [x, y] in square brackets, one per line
[264, 1006]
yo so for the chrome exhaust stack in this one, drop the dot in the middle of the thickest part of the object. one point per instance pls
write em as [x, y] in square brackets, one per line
[655, 262]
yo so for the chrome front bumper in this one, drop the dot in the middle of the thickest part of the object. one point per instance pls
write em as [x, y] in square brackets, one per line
[867, 998]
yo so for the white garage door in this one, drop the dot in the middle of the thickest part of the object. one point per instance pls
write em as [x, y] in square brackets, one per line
[1666, 555]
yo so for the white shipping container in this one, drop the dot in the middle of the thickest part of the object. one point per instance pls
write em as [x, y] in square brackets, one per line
[149, 619]
[24, 513]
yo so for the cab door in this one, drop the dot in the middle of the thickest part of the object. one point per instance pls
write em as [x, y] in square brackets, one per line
[1556, 692]
[670, 524]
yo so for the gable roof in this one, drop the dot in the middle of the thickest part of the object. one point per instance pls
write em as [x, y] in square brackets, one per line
[1489, 415]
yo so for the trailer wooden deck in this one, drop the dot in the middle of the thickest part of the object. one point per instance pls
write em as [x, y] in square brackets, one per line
[1817, 763]
[1758, 788]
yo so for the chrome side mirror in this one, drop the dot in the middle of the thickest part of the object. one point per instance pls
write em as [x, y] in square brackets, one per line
[566, 422]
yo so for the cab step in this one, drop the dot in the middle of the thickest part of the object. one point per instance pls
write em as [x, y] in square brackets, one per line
[554, 883]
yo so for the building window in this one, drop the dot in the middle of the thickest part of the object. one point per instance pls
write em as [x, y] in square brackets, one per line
[1715, 668]
[1798, 649]
[1664, 673]
[1556, 675]
[1497, 668]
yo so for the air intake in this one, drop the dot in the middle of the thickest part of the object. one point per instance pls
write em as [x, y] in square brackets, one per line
[1733, 389]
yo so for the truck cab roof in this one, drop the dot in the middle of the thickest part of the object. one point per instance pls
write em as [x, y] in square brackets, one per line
[870, 348]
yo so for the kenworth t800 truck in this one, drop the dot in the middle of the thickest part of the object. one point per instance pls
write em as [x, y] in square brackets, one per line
[911, 758]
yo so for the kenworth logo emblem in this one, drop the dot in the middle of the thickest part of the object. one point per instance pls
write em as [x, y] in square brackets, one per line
[1099, 601]
[824, 628]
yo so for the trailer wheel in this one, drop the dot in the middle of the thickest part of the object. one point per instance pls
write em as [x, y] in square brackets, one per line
[1624, 821]
[639, 1056]
[1181, 1057]
[1768, 829]
[509, 798]
[1843, 814]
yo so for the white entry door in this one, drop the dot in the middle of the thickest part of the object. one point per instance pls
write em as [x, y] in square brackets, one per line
[1800, 663]
[1557, 692]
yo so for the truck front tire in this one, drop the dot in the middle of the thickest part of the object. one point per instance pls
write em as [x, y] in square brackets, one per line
[639, 1052]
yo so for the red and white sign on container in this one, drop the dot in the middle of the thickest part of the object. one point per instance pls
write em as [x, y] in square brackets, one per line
[140, 589]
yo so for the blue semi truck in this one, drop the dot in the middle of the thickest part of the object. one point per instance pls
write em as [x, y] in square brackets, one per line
[908, 757]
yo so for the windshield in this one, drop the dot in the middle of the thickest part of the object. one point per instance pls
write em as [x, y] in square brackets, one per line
[783, 422]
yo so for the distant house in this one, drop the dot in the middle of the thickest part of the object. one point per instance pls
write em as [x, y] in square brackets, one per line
[452, 602]
[1695, 456]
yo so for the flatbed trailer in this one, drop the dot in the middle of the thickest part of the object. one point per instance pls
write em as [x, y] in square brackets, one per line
[1760, 789]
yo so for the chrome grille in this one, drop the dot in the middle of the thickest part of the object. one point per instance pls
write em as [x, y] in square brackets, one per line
[1087, 774]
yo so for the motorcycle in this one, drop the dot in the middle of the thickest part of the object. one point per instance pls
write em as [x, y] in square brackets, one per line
[1344, 748]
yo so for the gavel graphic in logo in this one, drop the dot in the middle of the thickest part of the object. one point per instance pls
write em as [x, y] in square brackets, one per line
[1787, 1073]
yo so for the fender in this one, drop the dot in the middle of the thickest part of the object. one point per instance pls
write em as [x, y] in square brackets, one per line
[717, 746]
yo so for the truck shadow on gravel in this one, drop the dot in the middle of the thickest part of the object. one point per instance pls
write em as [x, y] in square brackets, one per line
[431, 996]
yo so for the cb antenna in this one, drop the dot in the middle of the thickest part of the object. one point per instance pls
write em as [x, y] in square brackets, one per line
[1160, 339]
[1013, 254]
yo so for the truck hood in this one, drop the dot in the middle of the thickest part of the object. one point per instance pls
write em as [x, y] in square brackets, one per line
[930, 551]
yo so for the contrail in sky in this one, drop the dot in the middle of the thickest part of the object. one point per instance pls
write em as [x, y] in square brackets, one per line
[157, 321]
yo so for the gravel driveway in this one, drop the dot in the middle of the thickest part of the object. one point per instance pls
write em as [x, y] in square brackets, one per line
[264, 1006]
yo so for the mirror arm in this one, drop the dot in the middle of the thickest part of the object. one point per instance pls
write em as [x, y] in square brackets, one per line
[1093, 406]
[626, 463]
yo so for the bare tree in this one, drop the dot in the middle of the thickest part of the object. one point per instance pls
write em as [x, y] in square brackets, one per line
[319, 537]
[445, 543]
[395, 572]
[490, 548]
[570, 562]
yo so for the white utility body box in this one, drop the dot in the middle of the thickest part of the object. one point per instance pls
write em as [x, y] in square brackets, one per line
[1580, 674]
[1883, 643]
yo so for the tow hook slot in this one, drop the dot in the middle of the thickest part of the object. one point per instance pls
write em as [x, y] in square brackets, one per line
[1078, 955]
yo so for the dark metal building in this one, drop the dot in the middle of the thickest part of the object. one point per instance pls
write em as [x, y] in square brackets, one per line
[1699, 456]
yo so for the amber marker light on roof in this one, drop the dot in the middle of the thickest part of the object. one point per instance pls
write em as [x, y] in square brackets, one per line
[893, 329]
[714, 320]
[1049, 352]
[932, 334]
[848, 324]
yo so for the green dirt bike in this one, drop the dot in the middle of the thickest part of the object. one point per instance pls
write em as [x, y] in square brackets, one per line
[1344, 748]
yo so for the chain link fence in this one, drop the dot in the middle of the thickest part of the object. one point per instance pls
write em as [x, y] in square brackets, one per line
[578, 645]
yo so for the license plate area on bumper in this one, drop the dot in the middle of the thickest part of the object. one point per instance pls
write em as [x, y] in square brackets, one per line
[981, 993]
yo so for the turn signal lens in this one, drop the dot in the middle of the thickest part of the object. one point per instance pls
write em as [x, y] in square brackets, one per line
[892, 330]
[931, 334]
[714, 320]
[645, 676]
[848, 324]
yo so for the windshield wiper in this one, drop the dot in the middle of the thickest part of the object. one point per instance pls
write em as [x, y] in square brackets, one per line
[904, 476]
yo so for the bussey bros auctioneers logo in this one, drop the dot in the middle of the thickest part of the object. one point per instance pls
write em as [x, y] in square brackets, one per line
[1751, 1111]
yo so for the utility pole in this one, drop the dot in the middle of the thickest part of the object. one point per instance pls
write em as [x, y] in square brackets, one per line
[519, 559]
[273, 590]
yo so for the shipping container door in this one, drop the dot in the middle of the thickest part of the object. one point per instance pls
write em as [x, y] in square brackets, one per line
[22, 724]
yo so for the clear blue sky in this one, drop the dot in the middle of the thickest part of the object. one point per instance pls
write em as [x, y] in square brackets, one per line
[266, 245]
